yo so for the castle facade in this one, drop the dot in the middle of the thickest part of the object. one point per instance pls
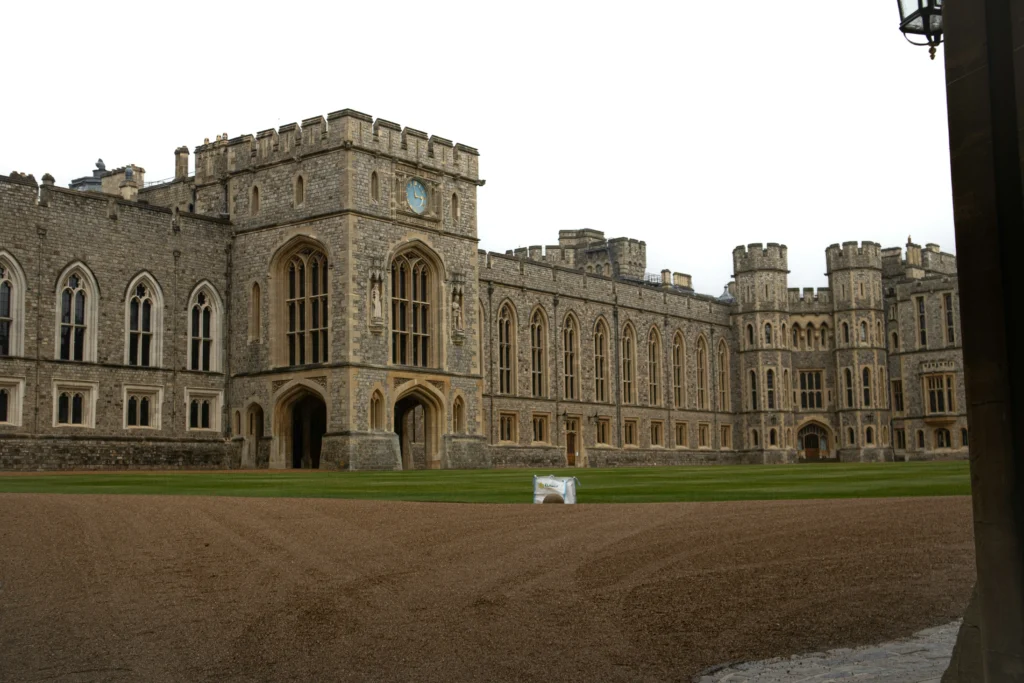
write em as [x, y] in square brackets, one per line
[313, 297]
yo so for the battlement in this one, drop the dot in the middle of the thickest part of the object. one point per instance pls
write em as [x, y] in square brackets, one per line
[918, 262]
[808, 297]
[754, 257]
[853, 255]
[344, 129]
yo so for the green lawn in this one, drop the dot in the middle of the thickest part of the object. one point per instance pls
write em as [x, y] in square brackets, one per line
[635, 485]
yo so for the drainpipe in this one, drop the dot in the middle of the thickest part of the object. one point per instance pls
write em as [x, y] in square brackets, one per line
[490, 357]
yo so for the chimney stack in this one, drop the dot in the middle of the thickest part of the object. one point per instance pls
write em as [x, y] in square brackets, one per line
[181, 163]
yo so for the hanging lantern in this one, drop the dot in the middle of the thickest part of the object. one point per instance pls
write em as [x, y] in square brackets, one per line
[922, 18]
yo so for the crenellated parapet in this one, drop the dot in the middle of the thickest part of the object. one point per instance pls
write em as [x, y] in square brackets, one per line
[853, 256]
[344, 129]
[755, 257]
[809, 299]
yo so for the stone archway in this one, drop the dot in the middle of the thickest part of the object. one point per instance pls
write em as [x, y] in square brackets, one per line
[814, 442]
[419, 423]
[300, 422]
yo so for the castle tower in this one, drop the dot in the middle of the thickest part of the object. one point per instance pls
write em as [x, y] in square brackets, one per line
[760, 320]
[862, 405]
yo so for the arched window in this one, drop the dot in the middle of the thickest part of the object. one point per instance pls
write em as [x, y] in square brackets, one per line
[144, 322]
[824, 336]
[254, 202]
[653, 367]
[376, 411]
[480, 337]
[204, 329]
[628, 365]
[755, 438]
[878, 332]
[846, 333]
[12, 306]
[570, 358]
[863, 331]
[783, 339]
[920, 438]
[942, 439]
[459, 415]
[769, 386]
[702, 374]
[506, 350]
[796, 337]
[772, 438]
[895, 341]
[851, 437]
[455, 208]
[767, 334]
[538, 354]
[678, 371]
[812, 337]
[238, 423]
[300, 190]
[750, 335]
[849, 388]
[869, 436]
[76, 315]
[867, 387]
[601, 362]
[723, 377]
[255, 313]
[306, 274]
[140, 411]
[374, 187]
[413, 310]
[753, 390]
[787, 389]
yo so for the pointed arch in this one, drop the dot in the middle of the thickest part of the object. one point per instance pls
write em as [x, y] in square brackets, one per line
[255, 313]
[812, 337]
[300, 190]
[77, 319]
[376, 413]
[783, 339]
[750, 336]
[143, 322]
[300, 302]
[455, 209]
[767, 334]
[12, 306]
[417, 318]
[654, 366]
[824, 336]
[724, 375]
[254, 201]
[769, 388]
[753, 390]
[205, 320]
[374, 187]
[866, 385]
[628, 364]
[570, 357]
[507, 348]
[539, 352]
[459, 415]
[679, 371]
[796, 336]
[601, 393]
[702, 373]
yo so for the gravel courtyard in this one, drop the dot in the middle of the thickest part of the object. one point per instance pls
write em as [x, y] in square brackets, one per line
[181, 588]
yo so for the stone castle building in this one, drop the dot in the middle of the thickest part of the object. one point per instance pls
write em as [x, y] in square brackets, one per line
[313, 296]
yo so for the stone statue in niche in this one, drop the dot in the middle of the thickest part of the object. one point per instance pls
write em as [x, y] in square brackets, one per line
[376, 309]
[457, 312]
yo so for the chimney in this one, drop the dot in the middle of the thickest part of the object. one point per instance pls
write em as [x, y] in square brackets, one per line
[666, 277]
[682, 280]
[181, 163]
[129, 186]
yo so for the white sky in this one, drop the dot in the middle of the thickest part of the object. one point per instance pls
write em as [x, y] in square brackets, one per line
[694, 126]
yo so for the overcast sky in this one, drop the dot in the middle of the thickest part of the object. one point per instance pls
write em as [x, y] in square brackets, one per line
[694, 126]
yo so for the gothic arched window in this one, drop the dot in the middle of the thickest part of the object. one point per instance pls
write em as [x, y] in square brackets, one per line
[723, 376]
[849, 388]
[628, 365]
[702, 374]
[412, 310]
[767, 334]
[506, 350]
[307, 307]
[570, 356]
[376, 411]
[753, 390]
[538, 354]
[144, 324]
[12, 306]
[76, 315]
[769, 386]
[300, 190]
[204, 329]
[750, 335]
[678, 371]
[867, 387]
[601, 362]
[255, 313]
[653, 367]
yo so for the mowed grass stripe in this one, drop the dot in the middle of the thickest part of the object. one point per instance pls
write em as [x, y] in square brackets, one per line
[626, 485]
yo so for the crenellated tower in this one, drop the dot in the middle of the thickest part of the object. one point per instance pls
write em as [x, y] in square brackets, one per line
[862, 405]
[760, 320]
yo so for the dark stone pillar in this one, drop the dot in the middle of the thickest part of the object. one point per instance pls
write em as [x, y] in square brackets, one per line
[984, 87]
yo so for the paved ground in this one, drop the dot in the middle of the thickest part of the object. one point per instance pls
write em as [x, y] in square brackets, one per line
[154, 588]
[921, 658]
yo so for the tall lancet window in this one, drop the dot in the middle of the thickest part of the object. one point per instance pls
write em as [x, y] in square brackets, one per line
[307, 308]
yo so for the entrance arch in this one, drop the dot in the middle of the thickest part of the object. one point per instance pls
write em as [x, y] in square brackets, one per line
[300, 422]
[814, 441]
[418, 421]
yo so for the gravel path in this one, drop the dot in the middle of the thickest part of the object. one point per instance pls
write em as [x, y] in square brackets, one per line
[154, 588]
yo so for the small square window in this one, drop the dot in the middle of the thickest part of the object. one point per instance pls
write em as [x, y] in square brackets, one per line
[202, 410]
[74, 404]
[604, 430]
[629, 433]
[12, 389]
[657, 433]
[540, 429]
[142, 406]
[508, 424]
[682, 435]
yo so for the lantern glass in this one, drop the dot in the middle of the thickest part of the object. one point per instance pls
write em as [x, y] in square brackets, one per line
[921, 17]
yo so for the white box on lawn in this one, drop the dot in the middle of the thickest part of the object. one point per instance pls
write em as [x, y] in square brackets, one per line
[563, 486]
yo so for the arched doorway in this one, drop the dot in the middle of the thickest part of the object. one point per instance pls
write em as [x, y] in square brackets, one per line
[253, 434]
[300, 422]
[418, 416]
[813, 442]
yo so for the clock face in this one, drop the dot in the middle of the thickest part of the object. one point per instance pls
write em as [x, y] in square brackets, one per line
[416, 195]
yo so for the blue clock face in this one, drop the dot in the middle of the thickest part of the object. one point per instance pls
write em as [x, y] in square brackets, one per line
[416, 195]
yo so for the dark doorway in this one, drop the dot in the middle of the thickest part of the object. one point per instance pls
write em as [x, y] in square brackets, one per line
[410, 415]
[309, 423]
